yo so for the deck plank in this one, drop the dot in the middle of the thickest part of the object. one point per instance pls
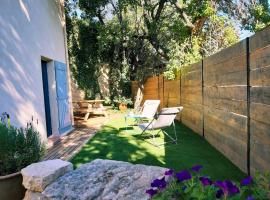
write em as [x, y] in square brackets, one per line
[69, 145]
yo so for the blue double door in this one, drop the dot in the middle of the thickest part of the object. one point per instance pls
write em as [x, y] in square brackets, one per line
[64, 115]
[61, 78]
[46, 93]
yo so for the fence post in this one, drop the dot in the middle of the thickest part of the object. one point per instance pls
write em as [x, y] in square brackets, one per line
[163, 85]
[248, 104]
[181, 87]
[202, 100]
[180, 92]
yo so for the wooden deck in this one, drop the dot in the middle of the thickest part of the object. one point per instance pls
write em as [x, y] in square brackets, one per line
[67, 146]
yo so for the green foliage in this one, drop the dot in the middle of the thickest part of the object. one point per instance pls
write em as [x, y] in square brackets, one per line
[122, 100]
[259, 16]
[139, 38]
[19, 148]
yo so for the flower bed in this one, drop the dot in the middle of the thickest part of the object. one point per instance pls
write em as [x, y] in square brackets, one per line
[191, 184]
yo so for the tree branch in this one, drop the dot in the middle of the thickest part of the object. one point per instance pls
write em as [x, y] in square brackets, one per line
[100, 17]
[183, 14]
[159, 10]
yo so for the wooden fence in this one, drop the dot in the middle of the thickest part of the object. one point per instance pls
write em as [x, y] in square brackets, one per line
[226, 99]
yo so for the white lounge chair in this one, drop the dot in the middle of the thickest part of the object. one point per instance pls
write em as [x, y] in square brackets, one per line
[147, 111]
[164, 119]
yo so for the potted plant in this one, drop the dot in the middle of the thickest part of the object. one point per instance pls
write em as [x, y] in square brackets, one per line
[123, 102]
[19, 147]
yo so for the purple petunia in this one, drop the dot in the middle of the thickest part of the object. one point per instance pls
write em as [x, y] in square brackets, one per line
[250, 198]
[220, 184]
[159, 183]
[197, 168]
[205, 181]
[227, 187]
[246, 181]
[183, 175]
[169, 172]
[232, 188]
[151, 192]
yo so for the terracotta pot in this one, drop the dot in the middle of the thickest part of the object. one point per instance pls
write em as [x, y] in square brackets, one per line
[11, 187]
[122, 107]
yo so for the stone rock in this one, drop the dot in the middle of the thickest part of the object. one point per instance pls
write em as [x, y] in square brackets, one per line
[38, 175]
[105, 180]
[29, 195]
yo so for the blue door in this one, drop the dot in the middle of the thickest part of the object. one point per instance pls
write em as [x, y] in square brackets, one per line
[62, 97]
[46, 97]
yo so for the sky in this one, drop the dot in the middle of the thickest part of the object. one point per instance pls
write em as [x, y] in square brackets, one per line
[245, 33]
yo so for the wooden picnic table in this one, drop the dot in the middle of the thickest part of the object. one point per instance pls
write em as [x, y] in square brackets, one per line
[89, 106]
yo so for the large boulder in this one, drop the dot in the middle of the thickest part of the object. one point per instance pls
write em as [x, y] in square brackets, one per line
[105, 180]
[38, 175]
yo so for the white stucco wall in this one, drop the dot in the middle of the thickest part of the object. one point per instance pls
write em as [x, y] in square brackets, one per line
[29, 29]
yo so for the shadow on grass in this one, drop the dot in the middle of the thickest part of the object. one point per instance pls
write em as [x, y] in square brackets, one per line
[114, 142]
[111, 143]
[192, 149]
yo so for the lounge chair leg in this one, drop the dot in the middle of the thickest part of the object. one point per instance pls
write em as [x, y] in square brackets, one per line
[86, 116]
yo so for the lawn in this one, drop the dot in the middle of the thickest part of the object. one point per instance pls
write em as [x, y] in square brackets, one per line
[114, 142]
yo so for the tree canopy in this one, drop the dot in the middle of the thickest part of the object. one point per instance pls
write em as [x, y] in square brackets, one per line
[138, 38]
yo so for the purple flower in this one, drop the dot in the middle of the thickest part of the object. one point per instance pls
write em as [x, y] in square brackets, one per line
[246, 181]
[197, 168]
[183, 175]
[169, 172]
[227, 187]
[220, 184]
[219, 193]
[151, 192]
[232, 188]
[250, 198]
[205, 181]
[159, 183]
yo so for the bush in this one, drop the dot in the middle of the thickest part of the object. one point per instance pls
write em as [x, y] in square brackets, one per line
[190, 184]
[19, 148]
[122, 100]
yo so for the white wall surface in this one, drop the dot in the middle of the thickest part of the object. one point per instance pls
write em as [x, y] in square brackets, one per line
[29, 29]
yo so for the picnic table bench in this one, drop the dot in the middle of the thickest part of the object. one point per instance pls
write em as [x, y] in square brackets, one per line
[89, 106]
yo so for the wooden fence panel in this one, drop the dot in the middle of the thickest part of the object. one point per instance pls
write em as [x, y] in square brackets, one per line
[225, 107]
[191, 97]
[171, 96]
[260, 101]
[151, 89]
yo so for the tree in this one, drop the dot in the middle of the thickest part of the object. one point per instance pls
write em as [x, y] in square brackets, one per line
[138, 38]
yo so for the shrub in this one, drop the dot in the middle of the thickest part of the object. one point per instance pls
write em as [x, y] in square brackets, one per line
[18, 148]
[122, 100]
[190, 184]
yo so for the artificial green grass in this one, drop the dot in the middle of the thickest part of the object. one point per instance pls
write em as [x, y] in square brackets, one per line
[114, 142]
